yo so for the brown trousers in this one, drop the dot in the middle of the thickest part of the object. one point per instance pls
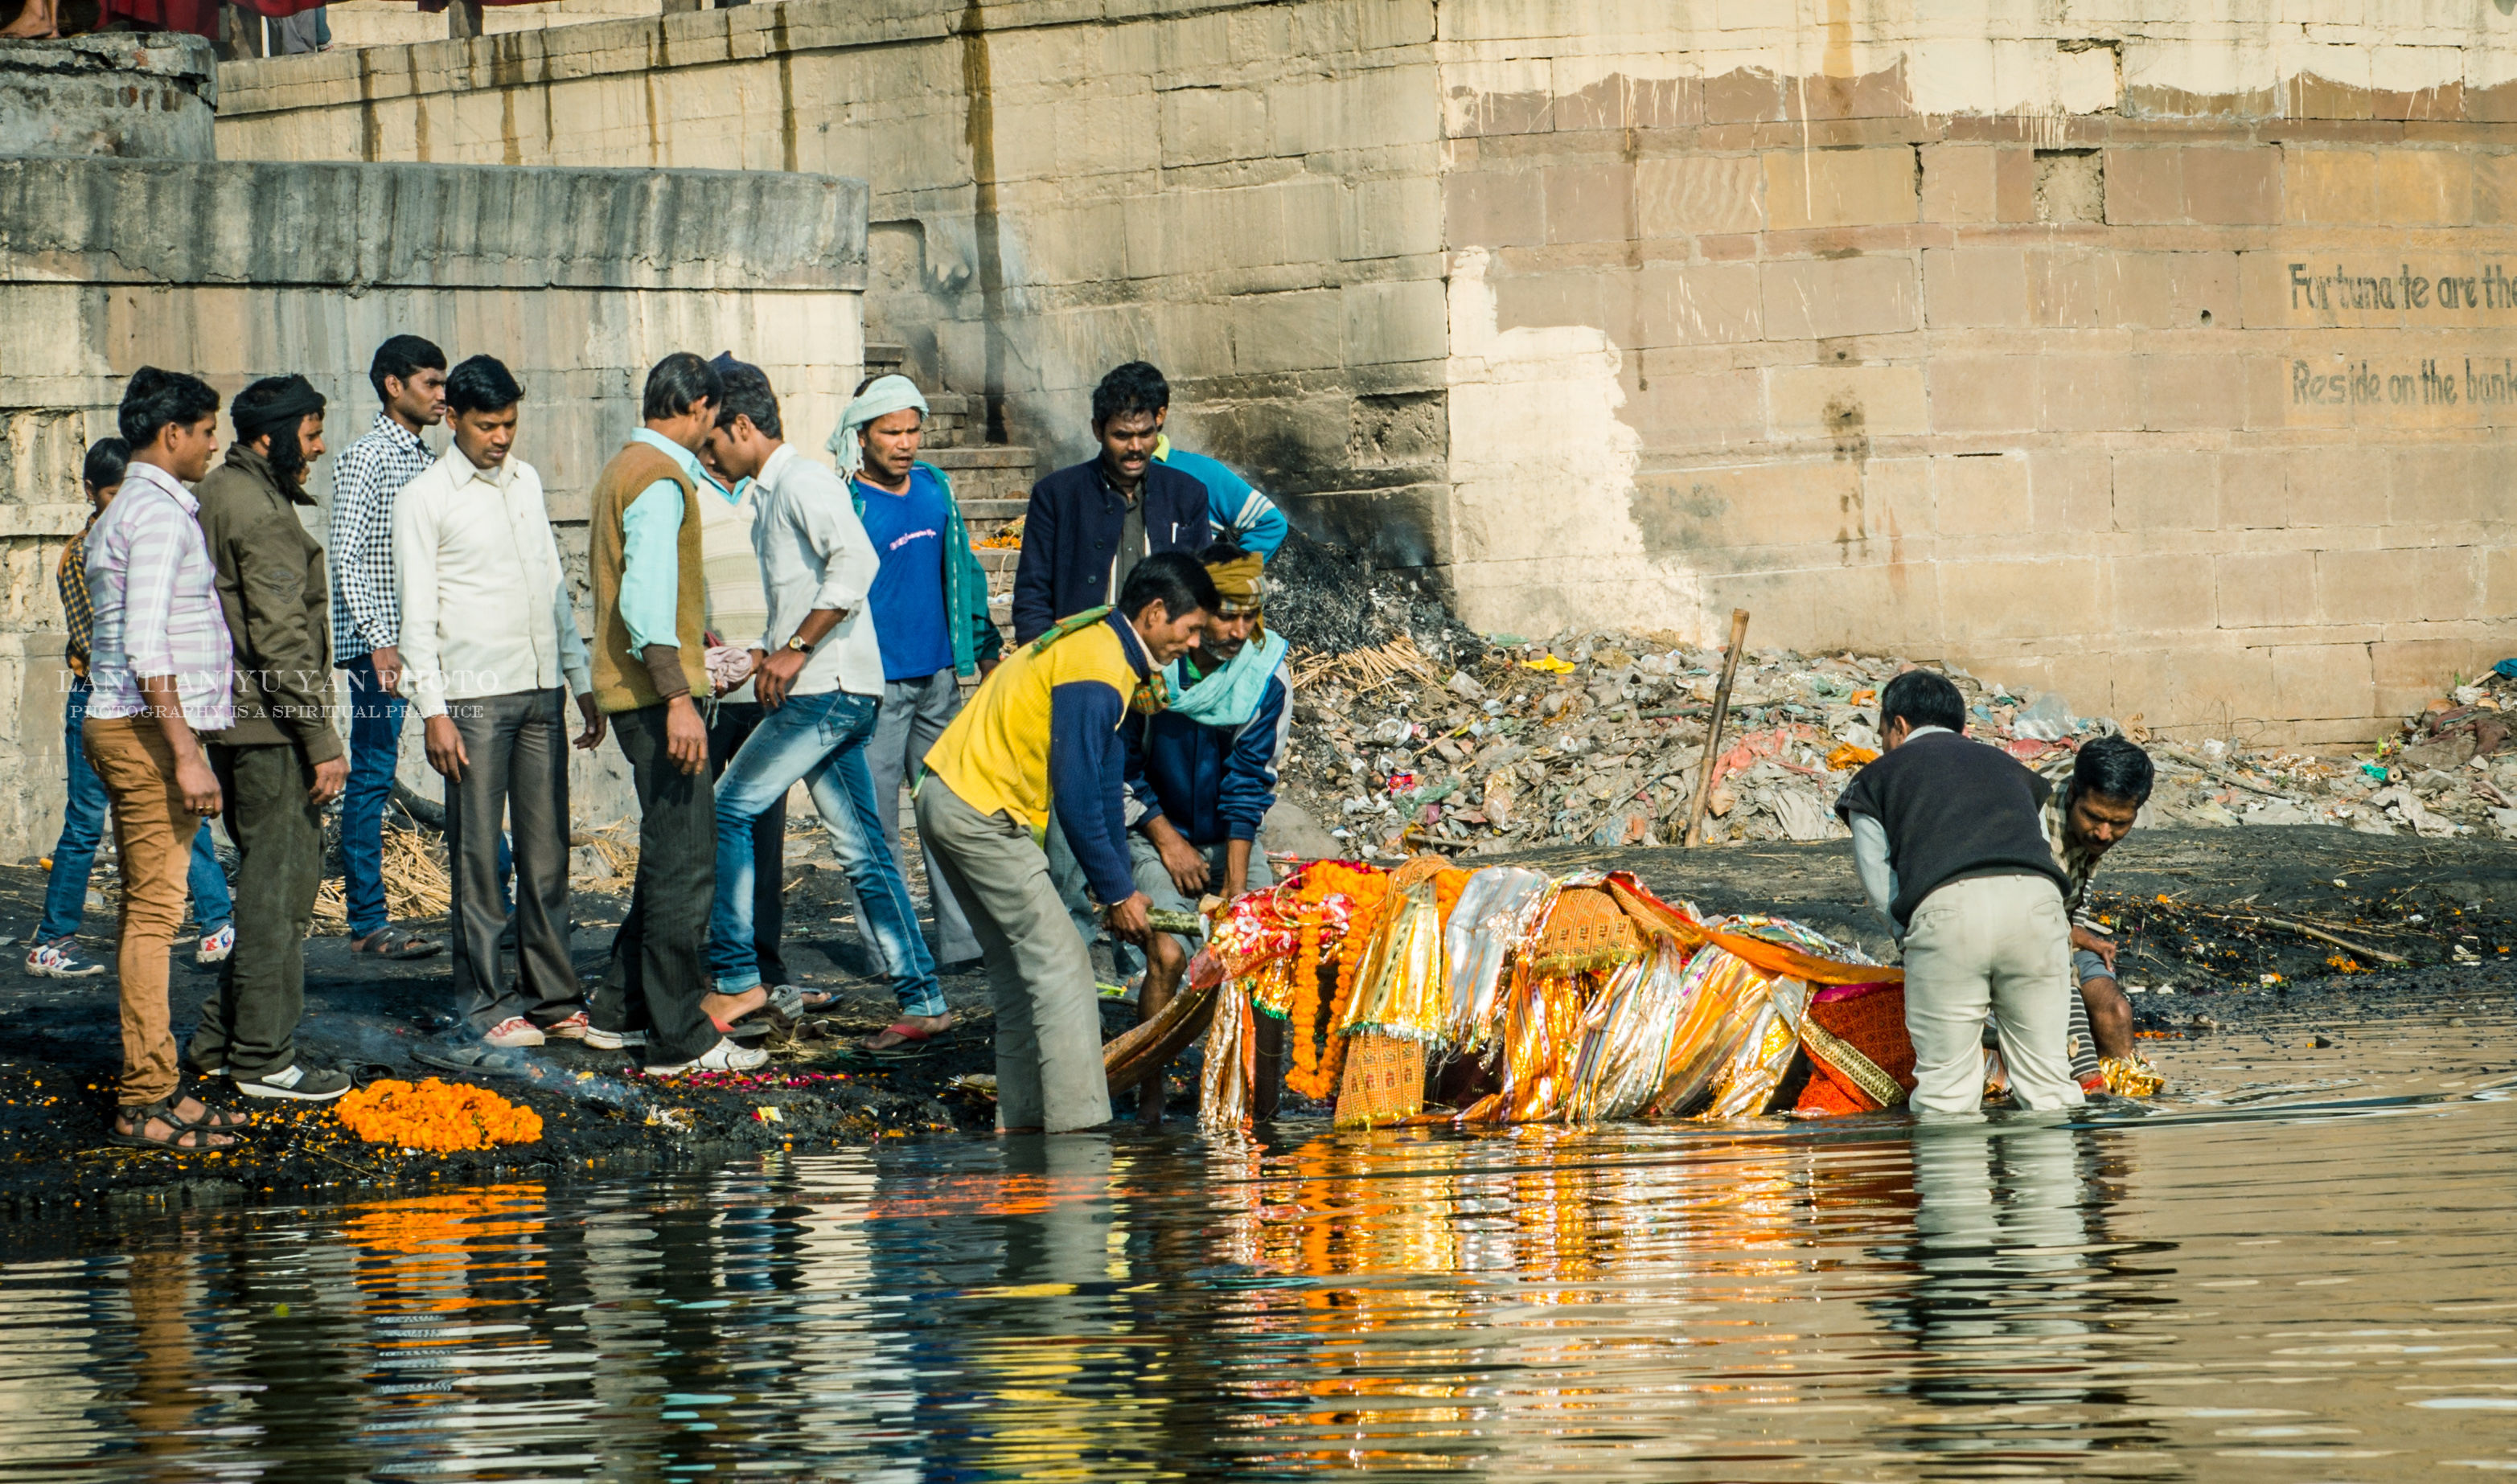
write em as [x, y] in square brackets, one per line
[153, 833]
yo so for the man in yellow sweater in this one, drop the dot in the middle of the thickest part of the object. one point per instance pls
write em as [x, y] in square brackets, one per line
[1043, 733]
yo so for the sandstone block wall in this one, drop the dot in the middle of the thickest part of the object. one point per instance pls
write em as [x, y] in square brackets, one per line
[1247, 194]
[2149, 361]
[2166, 363]
[579, 280]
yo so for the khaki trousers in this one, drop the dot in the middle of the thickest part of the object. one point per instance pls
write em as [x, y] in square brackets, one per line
[1998, 942]
[1049, 1016]
[152, 831]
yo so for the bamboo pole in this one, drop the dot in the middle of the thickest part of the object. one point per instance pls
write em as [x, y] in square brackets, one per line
[1713, 727]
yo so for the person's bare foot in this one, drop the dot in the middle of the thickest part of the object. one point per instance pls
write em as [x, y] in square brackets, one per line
[726, 1010]
[889, 1037]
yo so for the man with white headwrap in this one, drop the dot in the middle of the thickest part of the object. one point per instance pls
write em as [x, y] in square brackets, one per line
[930, 605]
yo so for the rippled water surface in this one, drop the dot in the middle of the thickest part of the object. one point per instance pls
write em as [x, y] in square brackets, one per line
[2305, 1269]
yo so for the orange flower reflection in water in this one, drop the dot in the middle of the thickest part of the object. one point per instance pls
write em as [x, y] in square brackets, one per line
[432, 1253]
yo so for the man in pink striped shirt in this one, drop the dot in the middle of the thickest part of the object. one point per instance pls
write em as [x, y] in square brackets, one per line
[161, 661]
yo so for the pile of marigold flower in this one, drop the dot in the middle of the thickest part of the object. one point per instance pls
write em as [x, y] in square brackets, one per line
[437, 1115]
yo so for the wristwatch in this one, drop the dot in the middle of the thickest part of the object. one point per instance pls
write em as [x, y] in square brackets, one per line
[799, 644]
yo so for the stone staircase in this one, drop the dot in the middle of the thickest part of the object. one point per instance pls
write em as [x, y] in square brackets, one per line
[991, 481]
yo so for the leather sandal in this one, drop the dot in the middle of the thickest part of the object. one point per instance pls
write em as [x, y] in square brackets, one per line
[200, 1130]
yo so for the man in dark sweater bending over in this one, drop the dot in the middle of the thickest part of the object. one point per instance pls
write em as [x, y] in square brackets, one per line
[1950, 846]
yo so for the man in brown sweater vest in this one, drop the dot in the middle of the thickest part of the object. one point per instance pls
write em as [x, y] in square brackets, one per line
[650, 662]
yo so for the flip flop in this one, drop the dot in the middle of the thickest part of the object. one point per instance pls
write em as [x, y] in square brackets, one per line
[914, 1043]
[752, 1024]
[386, 942]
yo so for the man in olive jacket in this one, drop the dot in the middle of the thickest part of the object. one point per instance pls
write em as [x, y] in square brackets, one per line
[282, 762]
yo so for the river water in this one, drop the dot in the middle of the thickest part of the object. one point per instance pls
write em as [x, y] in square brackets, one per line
[2304, 1267]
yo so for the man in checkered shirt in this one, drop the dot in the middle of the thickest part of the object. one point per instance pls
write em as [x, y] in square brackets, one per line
[408, 374]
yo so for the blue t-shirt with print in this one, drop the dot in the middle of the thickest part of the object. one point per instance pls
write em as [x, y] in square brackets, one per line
[908, 597]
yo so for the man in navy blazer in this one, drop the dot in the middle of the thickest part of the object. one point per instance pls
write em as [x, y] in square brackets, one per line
[1089, 526]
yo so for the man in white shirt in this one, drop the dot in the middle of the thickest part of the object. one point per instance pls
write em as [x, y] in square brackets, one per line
[488, 634]
[817, 672]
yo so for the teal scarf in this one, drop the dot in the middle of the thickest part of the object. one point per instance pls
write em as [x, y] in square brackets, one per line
[1229, 698]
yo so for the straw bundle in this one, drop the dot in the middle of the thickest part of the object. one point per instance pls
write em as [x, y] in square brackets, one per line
[415, 882]
[1366, 670]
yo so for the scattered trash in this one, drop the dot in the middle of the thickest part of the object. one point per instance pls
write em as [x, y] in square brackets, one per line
[1596, 737]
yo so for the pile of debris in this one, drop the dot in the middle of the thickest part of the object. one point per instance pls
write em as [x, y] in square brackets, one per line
[1597, 738]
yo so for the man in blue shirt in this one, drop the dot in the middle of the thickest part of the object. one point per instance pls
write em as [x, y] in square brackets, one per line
[1201, 775]
[930, 611]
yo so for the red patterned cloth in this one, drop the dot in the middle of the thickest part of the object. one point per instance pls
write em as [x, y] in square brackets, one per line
[1869, 1021]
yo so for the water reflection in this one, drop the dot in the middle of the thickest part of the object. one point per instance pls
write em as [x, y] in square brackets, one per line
[1857, 1300]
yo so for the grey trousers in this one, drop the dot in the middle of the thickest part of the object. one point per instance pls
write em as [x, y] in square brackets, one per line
[515, 779]
[1049, 1018]
[1998, 942]
[914, 712]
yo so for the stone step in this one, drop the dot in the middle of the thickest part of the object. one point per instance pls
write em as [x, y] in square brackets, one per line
[977, 511]
[997, 559]
[985, 456]
[987, 475]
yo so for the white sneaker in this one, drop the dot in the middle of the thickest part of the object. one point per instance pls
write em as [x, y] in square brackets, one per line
[600, 1040]
[513, 1032]
[724, 1056]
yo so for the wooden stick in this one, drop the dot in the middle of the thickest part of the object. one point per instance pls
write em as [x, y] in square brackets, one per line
[1713, 727]
[2320, 936]
[1130, 1057]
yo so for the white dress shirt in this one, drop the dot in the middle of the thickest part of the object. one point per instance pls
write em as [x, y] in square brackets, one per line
[486, 609]
[814, 554]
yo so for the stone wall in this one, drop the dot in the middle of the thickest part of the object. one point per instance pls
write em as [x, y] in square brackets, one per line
[1245, 194]
[2167, 364]
[126, 93]
[577, 278]
[2161, 364]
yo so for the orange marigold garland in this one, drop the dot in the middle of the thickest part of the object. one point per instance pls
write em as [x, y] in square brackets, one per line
[1304, 1006]
[1314, 1073]
[437, 1115]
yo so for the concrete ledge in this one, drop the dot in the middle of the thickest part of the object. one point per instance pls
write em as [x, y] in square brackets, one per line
[141, 96]
[269, 225]
[560, 53]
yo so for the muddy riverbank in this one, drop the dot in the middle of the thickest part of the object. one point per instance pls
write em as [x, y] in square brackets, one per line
[2222, 929]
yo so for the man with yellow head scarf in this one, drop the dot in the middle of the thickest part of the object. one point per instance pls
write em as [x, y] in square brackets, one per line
[1201, 772]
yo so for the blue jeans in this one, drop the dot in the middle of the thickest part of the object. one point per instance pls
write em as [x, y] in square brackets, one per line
[83, 825]
[821, 740]
[375, 745]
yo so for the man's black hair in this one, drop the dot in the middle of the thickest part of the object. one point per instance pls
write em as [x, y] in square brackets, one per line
[1135, 387]
[1174, 576]
[275, 405]
[1925, 699]
[108, 459]
[2111, 768]
[1219, 553]
[482, 384]
[400, 358]
[744, 391]
[154, 398]
[676, 384]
